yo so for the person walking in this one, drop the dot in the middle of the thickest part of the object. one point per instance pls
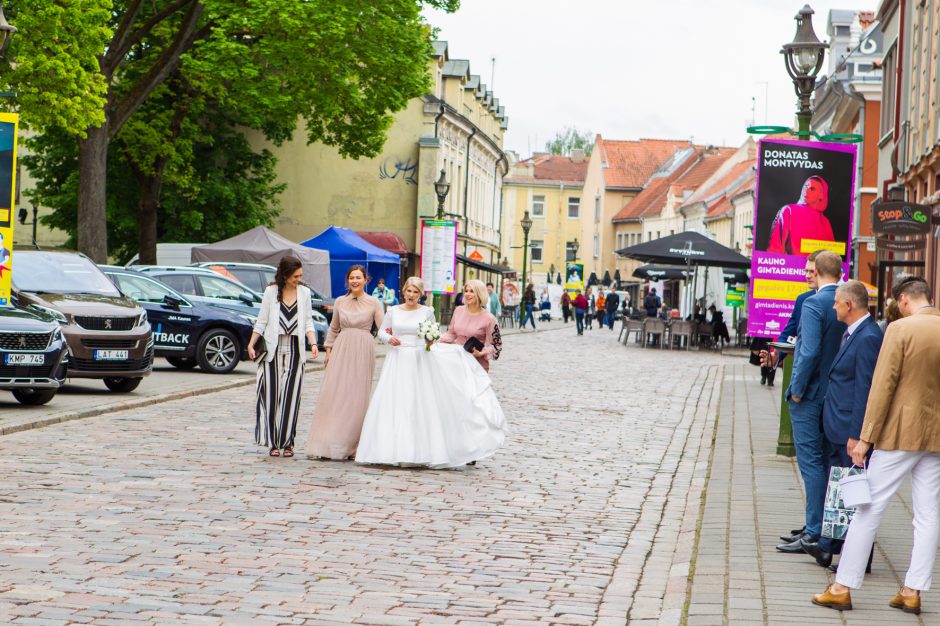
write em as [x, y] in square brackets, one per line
[849, 382]
[592, 307]
[435, 408]
[474, 328]
[652, 303]
[612, 304]
[284, 321]
[350, 364]
[818, 339]
[600, 308]
[492, 301]
[580, 310]
[767, 373]
[566, 305]
[528, 301]
[901, 424]
[383, 294]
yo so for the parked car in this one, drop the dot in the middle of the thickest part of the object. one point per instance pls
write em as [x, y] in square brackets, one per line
[108, 334]
[257, 276]
[187, 333]
[204, 285]
[33, 354]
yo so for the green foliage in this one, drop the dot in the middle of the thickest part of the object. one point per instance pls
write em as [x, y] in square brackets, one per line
[571, 139]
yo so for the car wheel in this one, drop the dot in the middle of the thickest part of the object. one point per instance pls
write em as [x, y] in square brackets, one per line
[122, 385]
[34, 397]
[218, 351]
[181, 363]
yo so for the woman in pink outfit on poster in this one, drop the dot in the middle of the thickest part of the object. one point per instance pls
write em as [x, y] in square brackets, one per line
[803, 220]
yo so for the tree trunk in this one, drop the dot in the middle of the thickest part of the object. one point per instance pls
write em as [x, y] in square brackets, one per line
[92, 191]
[149, 203]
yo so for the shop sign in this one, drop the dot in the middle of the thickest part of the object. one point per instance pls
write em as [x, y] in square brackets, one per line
[900, 218]
[895, 245]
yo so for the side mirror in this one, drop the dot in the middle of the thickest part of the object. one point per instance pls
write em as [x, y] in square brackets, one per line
[172, 301]
[247, 298]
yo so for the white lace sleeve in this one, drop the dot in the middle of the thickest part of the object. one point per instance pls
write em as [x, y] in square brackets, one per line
[387, 325]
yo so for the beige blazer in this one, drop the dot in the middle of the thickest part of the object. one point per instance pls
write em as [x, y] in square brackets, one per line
[903, 410]
[269, 318]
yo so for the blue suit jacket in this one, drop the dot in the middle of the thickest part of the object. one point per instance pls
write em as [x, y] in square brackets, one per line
[849, 383]
[817, 344]
[793, 325]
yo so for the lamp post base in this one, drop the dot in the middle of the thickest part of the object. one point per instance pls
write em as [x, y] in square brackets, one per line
[785, 445]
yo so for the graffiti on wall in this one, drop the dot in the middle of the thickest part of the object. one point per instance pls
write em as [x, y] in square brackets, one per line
[394, 168]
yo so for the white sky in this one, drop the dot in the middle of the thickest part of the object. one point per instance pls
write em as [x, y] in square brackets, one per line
[630, 69]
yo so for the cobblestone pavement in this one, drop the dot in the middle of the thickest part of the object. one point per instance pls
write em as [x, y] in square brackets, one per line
[169, 514]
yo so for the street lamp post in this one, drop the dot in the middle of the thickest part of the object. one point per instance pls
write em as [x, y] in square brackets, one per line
[803, 58]
[441, 188]
[526, 226]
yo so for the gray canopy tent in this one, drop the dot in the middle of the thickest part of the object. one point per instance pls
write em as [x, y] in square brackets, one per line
[260, 245]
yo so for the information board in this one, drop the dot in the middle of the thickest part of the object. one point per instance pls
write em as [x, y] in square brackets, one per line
[439, 256]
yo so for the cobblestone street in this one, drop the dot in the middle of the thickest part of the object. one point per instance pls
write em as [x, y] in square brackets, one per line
[170, 513]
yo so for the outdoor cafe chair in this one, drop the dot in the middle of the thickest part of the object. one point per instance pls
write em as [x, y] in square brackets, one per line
[507, 317]
[705, 335]
[629, 327]
[653, 327]
[679, 329]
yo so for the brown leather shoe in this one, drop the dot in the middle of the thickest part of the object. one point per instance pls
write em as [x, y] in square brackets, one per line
[908, 604]
[837, 601]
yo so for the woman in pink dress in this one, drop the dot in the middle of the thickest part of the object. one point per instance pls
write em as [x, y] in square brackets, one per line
[472, 320]
[350, 364]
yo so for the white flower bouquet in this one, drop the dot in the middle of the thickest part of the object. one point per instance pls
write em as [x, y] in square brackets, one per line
[430, 331]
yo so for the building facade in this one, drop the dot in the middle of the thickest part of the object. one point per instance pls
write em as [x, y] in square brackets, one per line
[458, 128]
[550, 188]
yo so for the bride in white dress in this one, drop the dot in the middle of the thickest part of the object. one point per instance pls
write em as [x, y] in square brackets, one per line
[434, 408]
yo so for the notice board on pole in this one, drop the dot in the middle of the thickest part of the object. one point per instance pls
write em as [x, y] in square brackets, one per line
[439, 256]
[8, 131]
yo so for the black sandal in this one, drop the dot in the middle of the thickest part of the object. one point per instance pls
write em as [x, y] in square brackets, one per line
[274, 452]
[288, 452]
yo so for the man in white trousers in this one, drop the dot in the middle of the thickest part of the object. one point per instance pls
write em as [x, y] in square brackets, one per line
[901, 422]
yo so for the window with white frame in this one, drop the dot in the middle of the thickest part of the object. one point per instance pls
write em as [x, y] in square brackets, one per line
[597, 245]
[535, 247]
[619, 240]
[570, 252]
[597, 209]
[574, 208]
[538, 206]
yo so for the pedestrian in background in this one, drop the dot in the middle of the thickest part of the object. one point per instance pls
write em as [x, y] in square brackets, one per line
[612, 304]
[284, 321]
[528, 302]
[385, 295]
[767, 373]
[566, 305]
[580, 310]
[350, 364]
[901, 419]
[492, 301]
[600, 307]
[652, 303]
[592, 304]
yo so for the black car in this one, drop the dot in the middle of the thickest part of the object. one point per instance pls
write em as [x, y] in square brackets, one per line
[185, 332]
[33, 354]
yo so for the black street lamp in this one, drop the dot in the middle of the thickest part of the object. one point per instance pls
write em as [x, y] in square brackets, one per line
[804, 58]
[574, 248]
[6, 31]
[526, 226]
[441, 187]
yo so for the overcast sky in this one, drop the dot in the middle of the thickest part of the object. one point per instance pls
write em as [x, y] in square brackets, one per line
[629, 69]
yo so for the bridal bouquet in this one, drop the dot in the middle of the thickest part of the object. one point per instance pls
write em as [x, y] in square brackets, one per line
[430, 331]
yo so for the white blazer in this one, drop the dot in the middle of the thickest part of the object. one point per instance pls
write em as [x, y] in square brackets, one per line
[269, 318]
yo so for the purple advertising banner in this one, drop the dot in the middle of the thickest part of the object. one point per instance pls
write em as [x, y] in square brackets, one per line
[805, 201]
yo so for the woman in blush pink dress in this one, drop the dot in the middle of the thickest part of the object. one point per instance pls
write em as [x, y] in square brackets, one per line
[472, 320]
[350, 364]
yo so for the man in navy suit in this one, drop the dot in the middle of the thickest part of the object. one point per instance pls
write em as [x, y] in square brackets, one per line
[818, 339]
[847, 395]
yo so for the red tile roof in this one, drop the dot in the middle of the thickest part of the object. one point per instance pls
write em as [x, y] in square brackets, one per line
[631, 163]
[553, 167]
[688, 176]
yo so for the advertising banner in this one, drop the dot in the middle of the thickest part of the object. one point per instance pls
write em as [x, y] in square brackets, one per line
[439, 255]
[574, 277]
[8, 128]
[805, 200]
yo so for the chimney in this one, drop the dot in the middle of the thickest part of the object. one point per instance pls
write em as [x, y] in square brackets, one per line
[577, 155]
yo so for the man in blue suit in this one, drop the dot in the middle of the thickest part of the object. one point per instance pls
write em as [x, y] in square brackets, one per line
[818, 339]
[847, 395]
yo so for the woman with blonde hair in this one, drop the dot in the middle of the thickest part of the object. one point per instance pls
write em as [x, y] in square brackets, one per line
[350, 364]
[473, 327]
[434, 408]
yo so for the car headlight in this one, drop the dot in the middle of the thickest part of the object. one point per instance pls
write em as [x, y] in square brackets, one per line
[57, 315]
[57, 335]
[251, 319]
[143, 318]
[319, 317]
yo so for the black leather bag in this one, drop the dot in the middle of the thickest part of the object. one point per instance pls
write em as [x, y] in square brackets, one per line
[473, 344]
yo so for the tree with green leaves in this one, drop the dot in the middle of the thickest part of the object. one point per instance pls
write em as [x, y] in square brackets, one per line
[343, 67]
[571, 139]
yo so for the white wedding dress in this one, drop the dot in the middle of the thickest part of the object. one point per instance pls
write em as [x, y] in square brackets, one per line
[434, 408]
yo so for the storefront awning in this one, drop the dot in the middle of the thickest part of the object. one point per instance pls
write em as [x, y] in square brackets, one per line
[486, 267]
[386, 241]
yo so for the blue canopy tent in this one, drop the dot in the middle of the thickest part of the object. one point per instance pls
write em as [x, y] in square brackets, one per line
[346, 248]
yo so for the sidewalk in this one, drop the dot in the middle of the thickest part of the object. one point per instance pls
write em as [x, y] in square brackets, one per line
[752, 496]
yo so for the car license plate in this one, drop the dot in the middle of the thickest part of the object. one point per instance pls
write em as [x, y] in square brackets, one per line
[25, 359]
[111, 355]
